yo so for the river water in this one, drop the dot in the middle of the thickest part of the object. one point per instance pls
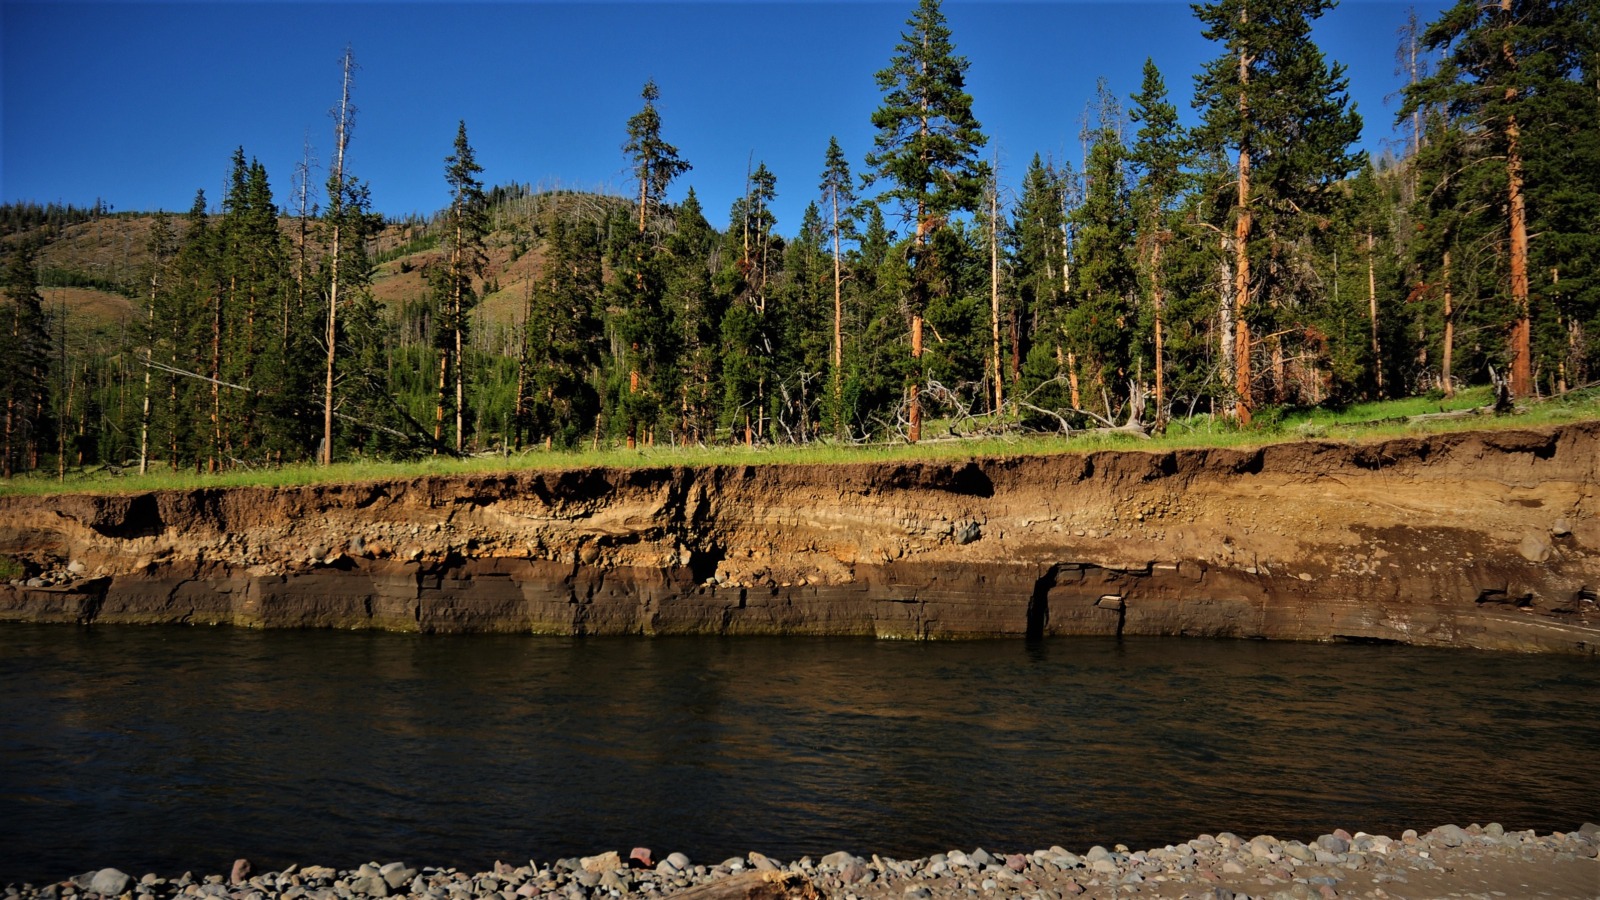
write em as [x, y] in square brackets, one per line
[166, 749]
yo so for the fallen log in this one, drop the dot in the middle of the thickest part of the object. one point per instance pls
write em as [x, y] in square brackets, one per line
[1471, 413]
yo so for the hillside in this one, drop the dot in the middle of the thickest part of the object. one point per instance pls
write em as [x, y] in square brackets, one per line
[94, 268]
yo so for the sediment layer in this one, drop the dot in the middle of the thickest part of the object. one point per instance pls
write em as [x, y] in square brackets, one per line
[1480, 539]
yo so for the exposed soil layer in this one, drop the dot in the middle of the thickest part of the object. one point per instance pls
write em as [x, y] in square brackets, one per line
[1485, 539]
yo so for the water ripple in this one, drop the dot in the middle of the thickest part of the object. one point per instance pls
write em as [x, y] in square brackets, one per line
[172, 749]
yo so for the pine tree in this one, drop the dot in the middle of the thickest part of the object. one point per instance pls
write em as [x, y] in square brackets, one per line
[1041, 274]
[161, 247]
[699, 307]
[747, 334]
[1273, 98]
[561, 334]
[184, 327]
[803, 351]
[655, 161]
[1098, 326]
[1159, 154]
[839, 195]
[656, 164]
[466, 223]
[927, 149]
[259, 410]
[1508, 74]
[25, 345]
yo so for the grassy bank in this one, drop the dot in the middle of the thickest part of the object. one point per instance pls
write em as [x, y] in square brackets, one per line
[1361, 422]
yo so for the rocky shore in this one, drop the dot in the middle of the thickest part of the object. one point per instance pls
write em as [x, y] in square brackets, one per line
[1449, 861]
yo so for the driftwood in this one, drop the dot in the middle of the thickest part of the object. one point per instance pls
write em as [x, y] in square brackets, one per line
[755, 886]
[1134, 427]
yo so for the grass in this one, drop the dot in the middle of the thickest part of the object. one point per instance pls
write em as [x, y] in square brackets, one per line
[1362, 422]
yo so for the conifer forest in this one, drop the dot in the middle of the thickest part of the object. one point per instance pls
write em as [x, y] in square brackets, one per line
[1254, 263]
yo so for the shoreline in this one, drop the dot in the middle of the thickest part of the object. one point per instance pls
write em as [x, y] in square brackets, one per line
[1475, 861]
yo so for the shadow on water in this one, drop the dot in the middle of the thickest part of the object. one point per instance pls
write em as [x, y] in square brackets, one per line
[157, 749]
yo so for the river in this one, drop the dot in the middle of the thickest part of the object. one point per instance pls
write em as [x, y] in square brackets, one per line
[168, 749]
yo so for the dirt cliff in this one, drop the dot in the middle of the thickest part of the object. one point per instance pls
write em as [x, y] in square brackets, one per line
[1488, 539]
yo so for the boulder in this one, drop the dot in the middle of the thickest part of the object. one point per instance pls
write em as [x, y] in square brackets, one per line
[109, 882]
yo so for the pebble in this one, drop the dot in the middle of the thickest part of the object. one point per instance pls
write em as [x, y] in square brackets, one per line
[1275, 869]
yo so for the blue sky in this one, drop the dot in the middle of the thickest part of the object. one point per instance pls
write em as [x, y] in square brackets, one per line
[143, 103]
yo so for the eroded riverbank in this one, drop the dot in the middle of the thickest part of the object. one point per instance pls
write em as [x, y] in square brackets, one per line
[1484, 539]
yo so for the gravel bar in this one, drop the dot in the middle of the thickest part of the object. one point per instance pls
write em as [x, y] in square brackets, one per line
[1449, 861]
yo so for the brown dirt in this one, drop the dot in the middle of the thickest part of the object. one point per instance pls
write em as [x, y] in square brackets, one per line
[97, 306]
[1471, 539]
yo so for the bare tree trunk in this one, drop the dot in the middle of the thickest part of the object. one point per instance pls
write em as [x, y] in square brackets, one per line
[1372, 308]
[460, 378]
[1155, 293]
[11, 395]
[1016, 349]
[1449, 331]
[519, 413]
[916, 384]
[1225, 338]
[1072, 377]
[1241, 295]
[70, 377]
[1571, 325]
[1241, 255]
[1522, 331]
[994, 291]
[150, 337]
[921, 242]
[216, 375]
[302, 268]
[838, 324]
[341, 138]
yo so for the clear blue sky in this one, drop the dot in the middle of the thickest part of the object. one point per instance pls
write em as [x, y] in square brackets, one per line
[143, 103]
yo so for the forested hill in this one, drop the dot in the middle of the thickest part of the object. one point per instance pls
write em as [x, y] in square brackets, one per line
[93, 264]
[1253, 263]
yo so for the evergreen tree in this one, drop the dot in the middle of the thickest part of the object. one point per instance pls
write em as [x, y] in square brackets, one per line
[160, 248]
[1041, 270]
[25, 345]
[699, 306]
[642, 319]
[927, 149]
[1508, 72]
[1273, 99]
[655, 161]
[877, 364]
[561, 334]
[747, 334]
[466, 224]
[262, 412]
[182, 325]
[1159, 155]
[839, 196]
[803, 349]
[1099, 324]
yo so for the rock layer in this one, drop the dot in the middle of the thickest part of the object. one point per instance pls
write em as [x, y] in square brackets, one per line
[1480, 539]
